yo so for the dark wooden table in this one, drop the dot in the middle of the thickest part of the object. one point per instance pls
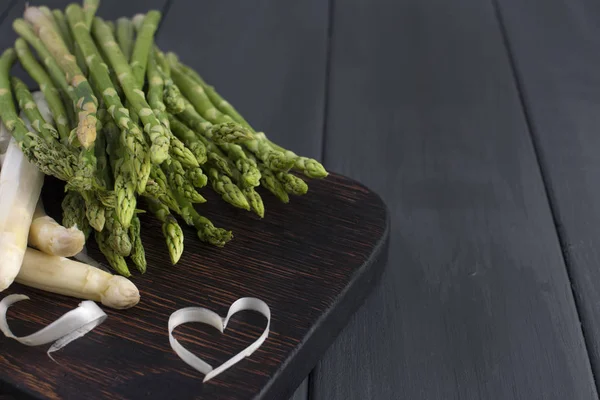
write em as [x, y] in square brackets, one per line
[478, 122]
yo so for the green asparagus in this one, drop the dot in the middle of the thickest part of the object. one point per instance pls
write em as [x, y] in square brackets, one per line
[255, 201]
[133, 140]
[157, 133]
[125, 33]
[189, 138]
[170, 229]
[49, 156]
[51, 94]
[138, 254]
[272, 184]
[116, 261]
[229, 192]
[178, 182]
[144, 43]
[63, 29]
[310, 167]
[73, 208]
[87, 103]
[292, 184]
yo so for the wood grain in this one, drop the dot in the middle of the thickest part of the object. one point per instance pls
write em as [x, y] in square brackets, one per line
[313, 261]
[556, 56]
[476, 302]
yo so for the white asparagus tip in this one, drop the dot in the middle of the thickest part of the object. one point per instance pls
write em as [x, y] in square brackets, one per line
[67, 242]
[120, 293]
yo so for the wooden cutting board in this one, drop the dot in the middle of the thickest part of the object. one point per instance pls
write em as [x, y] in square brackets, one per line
[313, 261]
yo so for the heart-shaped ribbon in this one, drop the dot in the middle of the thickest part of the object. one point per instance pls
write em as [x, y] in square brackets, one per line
[203, 315]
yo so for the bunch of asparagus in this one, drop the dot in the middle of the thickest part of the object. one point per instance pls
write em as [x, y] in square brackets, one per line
[134, 130]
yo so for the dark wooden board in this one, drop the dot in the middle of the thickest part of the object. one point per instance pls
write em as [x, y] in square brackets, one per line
[313, 261]
[475, 302]
[556, 53]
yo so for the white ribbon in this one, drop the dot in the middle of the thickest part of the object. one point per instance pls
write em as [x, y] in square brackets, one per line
[71, 326]
[203, 315]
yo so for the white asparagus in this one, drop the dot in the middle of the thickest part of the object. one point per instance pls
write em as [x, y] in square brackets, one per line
[20, 186]
[49, 236]
[72, 278]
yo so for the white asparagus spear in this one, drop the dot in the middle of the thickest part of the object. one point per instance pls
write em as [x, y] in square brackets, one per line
[49, 236]
[72, 278]
[20, 186]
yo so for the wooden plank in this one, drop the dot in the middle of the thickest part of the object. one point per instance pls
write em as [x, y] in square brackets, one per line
[109, 9]
[475, 302]
[556, 52]
[301, 393]
[332, 241]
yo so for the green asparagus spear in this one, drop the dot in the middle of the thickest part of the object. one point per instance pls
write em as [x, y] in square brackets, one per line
[207, 232]
[87, 103]
[229, 192]
[178, 182]
[89, 10]
[66, 37]
[49, 156]
[310, 167]
[125, 33]
[138, 254]
[179, 152]
[157, 133]
[255, 201]
[143, 44]
[173, 99]
[47, 87]
[73, 207]
[214, 97]
[170, 229]
[275, 160]
[272, 184]
[95, 211]
[116, 261]
[196, 177]
[250, 174]
[196, 95]
[189, 138]
[133, 141]
[63, 29]
[26, 32]
[163, 63]
[121, 164]
[159, 189]
[118, 236]
[155, 90]
[31, 111]
[58, 77]
[292, 184]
